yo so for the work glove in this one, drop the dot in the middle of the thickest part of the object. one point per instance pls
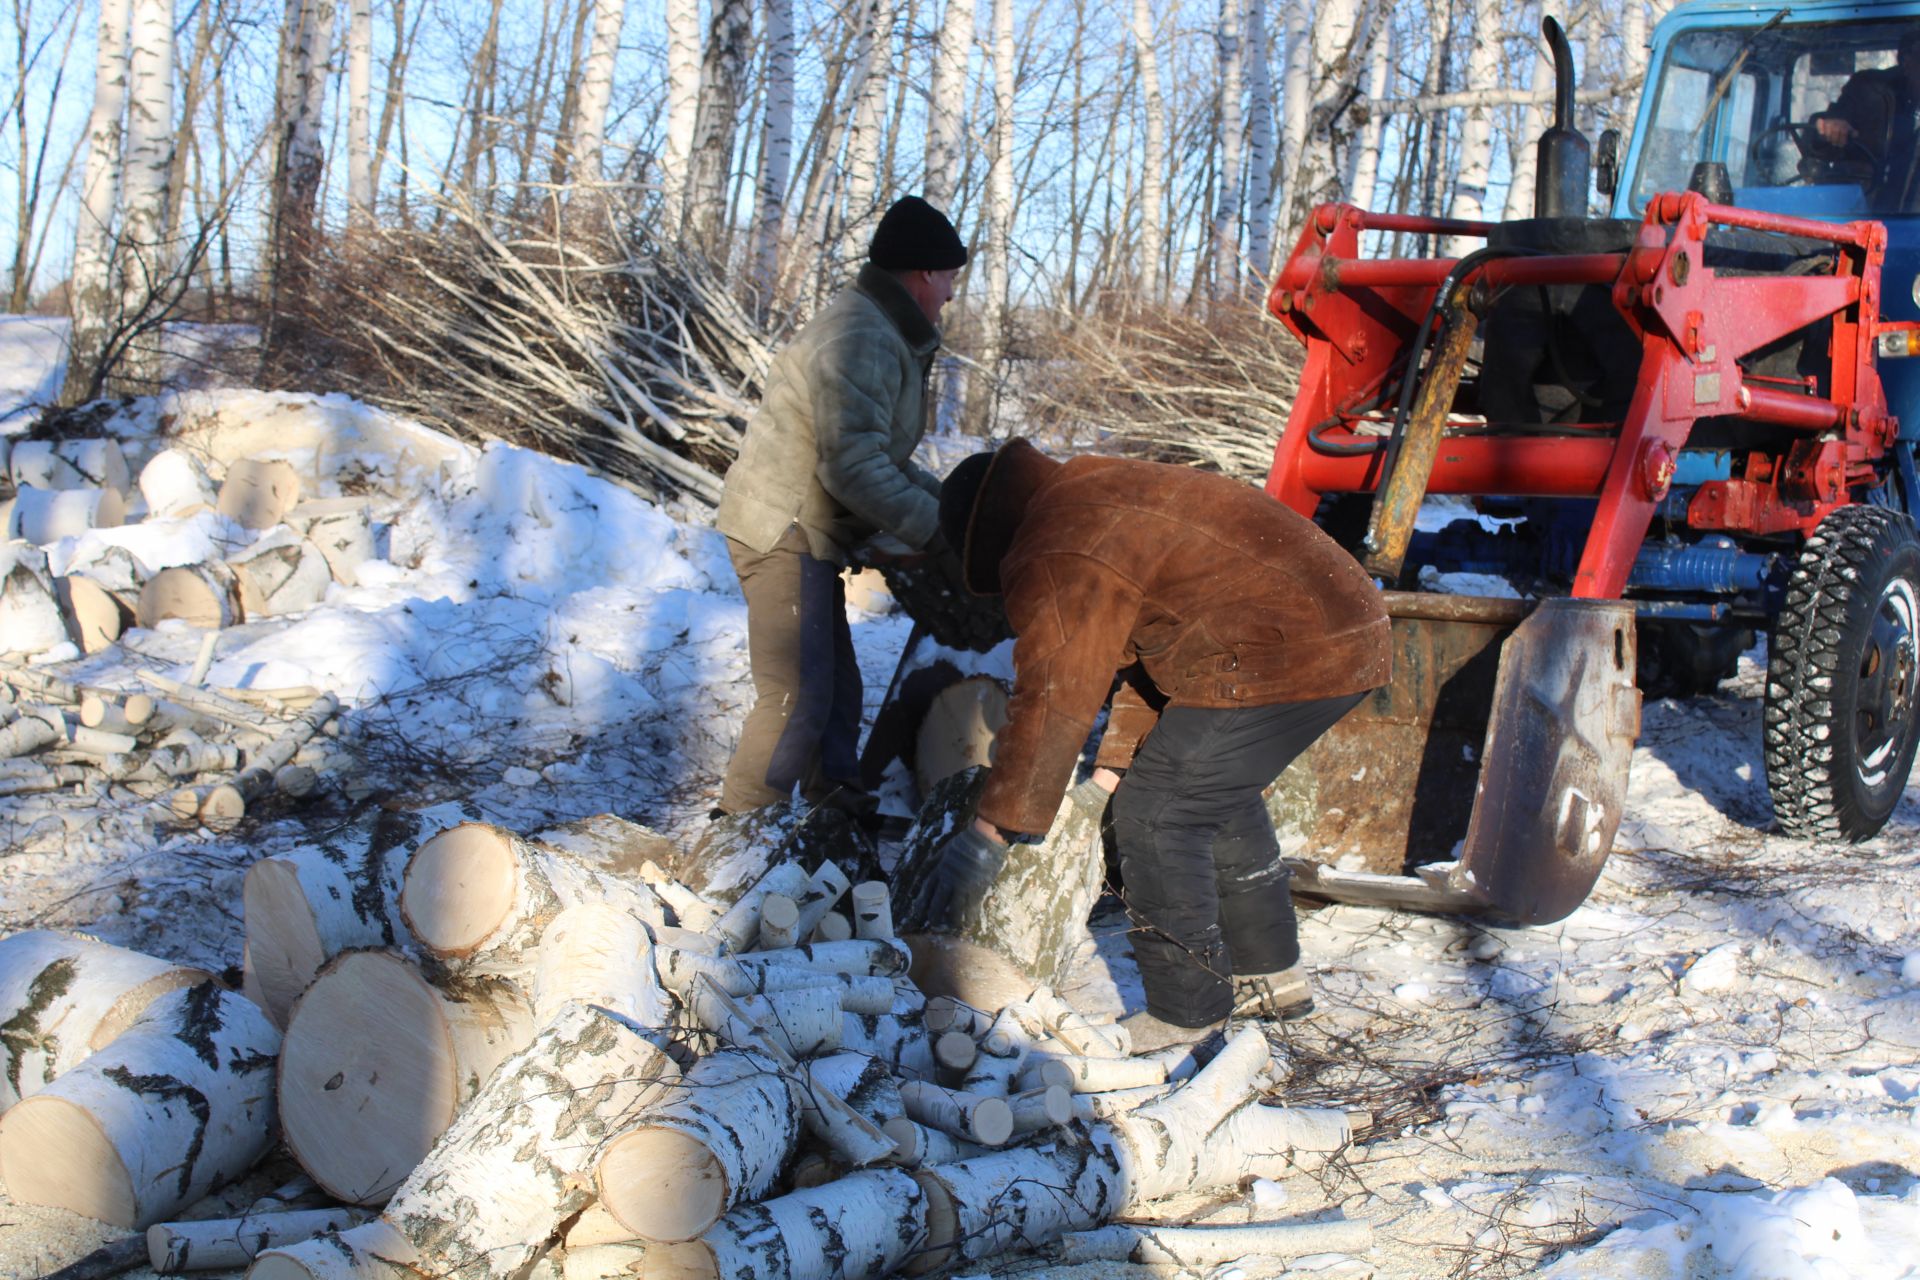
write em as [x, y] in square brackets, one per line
[1090, 798]
[963, 871]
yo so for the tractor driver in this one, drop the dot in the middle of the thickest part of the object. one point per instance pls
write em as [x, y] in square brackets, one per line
[1875, 118]
[1252, 629]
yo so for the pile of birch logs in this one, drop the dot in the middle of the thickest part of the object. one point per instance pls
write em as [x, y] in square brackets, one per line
[588, 1053]
[193, 755]
[64, 488]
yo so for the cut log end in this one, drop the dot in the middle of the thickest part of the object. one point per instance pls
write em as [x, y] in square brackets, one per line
[945, 965]
[460, 886]
[662, 1184]
[284, 949]
[691, 1261]
[367, 1076]
[57, 1154]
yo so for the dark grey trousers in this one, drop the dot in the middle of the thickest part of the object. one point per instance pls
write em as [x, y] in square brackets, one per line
[1205, 887]
[804, 728]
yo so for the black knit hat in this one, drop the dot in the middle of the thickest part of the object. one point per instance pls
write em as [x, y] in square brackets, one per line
[915, 236]
[959, 492]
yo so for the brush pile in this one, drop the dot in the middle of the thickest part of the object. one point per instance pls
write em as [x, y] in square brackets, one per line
[588, 1053]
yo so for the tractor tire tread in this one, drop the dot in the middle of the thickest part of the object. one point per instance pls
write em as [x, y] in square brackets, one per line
[1804, 650]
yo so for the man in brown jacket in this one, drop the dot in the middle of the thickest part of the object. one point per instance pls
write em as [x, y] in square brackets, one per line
[826, 465]
[1241, 633]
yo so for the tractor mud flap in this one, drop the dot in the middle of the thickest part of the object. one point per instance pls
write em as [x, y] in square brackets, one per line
[1488, 778]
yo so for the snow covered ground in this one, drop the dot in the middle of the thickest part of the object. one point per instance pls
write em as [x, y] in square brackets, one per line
[1710, 1070]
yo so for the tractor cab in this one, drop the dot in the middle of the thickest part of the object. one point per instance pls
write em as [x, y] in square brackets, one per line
[1807, 111]
[1791, 112]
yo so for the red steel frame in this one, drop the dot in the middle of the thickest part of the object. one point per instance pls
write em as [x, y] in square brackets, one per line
[1356, 316]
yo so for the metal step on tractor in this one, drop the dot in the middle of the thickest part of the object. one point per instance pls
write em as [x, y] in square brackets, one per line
[1667, 430]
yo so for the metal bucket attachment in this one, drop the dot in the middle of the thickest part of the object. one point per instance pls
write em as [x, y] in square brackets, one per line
[1489, 777]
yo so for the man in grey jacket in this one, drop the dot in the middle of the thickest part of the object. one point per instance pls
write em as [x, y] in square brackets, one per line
[825, 466]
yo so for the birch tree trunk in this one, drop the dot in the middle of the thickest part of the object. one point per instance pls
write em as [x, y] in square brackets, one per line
[1260, 143]
[683, 105]
[92, 295]
[1296, 98]
[1228, 110]
[723, 82]
[947, 107]
[517, 1161]
[1336, 26]
[1153, 168]
[1476, 130]
[587, 131]
[360, 112]
[64, 997]
[179, 1104]
[1533, 116]
[776, 148]
[299, 160]
[146, 260]
[1366, 152]
[1633, 45]
[873, 53]
[983, 401]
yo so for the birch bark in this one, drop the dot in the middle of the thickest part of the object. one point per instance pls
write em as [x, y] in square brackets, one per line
[1532, 122]
[864, 188]
[723, 79]
[517, 1161]
[947, 108]
[1153, 173]
[64, 997]
[1296, 97]
[1229, 112]
[306, 44]
[1476, 129]
[983, 400]
[587, 130]
[776, 146]
[146, 259]
[1366, 154]
[683, 103]
[1260, 143]
[177, 1105]
[92, 294]
[360, 112]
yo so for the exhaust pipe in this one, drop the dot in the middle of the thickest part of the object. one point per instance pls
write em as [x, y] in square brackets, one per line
[1563, 159]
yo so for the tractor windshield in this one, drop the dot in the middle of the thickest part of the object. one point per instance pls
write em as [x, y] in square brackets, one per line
[1816, 119]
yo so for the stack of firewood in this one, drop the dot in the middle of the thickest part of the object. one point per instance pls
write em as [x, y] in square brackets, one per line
[587, 1053]
[69, 487]
[196, 755]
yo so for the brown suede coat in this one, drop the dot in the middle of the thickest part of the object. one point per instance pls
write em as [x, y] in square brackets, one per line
[1221, 595]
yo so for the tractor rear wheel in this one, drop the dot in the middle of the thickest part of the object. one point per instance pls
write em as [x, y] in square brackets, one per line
[1843, 677]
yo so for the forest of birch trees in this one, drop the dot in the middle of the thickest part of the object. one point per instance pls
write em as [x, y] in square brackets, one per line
[199, 157]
